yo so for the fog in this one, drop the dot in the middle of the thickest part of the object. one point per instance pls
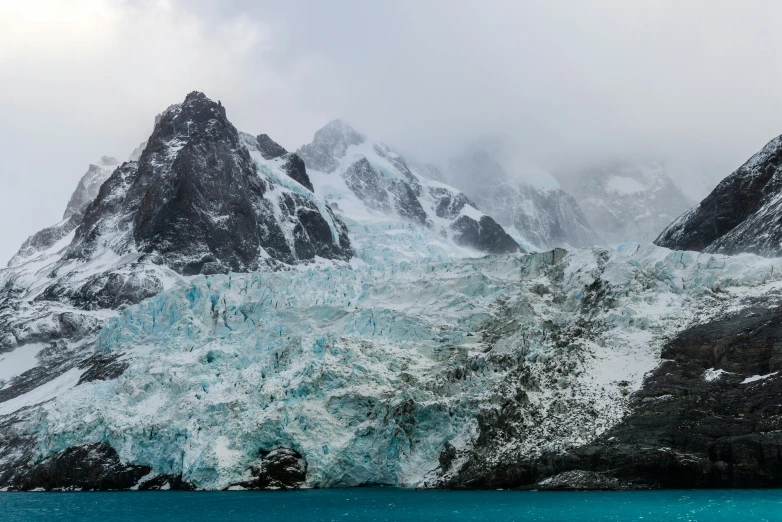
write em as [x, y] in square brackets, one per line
[565, 84]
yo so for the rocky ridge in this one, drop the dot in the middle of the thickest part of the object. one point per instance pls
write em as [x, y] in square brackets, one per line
[540, 217]
[742, 214]
[374, 186]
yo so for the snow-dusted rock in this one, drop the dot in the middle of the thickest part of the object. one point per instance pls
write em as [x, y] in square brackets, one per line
[742, 214]
[373, 187]
[534, 210]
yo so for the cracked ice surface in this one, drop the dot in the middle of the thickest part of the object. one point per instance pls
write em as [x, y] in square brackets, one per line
[368, 372]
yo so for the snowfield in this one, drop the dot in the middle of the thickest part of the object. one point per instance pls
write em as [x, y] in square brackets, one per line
[369, 371]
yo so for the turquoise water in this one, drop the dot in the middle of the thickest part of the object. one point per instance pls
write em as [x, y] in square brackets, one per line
[381, 504]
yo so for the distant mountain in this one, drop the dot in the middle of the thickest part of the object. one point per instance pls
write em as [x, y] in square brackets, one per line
[539, 214]
[742, 214]
[370, 184]
[628, 201]
[196, 201]
[85, 192]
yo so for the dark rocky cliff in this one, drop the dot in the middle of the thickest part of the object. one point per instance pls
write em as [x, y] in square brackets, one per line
[742, 214]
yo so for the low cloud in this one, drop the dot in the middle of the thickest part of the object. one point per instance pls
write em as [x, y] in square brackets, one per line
[566, 85]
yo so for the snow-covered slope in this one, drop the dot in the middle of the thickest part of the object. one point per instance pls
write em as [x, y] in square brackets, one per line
[629, 201]
[380, 193]
[383, 374]
[742, 214]
[533, 208]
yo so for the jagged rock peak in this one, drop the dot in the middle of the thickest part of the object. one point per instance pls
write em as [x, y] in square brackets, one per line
[742, 214]
[330, 143]
[196, 202]
[268, 152]
[269, 148]
[197, 118]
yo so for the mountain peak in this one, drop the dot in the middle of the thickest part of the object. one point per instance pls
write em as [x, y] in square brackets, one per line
[741, 214]
[197, 98]
[330, 143]
[338, 132]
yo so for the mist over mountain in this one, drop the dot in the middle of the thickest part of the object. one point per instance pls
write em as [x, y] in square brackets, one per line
[627, 201]
[607, 80]
[418, 244]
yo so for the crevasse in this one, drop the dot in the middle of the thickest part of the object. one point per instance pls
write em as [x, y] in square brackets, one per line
[368, 372]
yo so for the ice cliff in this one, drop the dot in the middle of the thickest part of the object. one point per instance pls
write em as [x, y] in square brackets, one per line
[377, 374]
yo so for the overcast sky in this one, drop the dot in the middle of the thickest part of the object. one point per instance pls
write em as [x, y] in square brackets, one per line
[697, 84]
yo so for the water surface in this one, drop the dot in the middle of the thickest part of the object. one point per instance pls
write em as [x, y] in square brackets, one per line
[388, 504]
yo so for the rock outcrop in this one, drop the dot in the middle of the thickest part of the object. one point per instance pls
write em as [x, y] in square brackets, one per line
[707, 417]
[742, 214]
[91, 467]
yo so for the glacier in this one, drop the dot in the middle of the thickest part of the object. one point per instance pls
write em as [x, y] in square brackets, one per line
[373, 371]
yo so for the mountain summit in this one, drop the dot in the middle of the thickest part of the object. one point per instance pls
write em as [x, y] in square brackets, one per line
[200, 199]
[628, 201]
[195, 201]
[371, 183]
[742, 214]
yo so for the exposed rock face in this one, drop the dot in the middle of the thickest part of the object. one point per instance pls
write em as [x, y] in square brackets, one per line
[485, 235]
[367, 184]
[372, 184]
[201, 204]
[195, 202]
[579, 481]
[742, 214]
[92, 467]
[707, 417]
[279, 469]
[269, 148]
[295, 168]
[543, 217]
[628, 201]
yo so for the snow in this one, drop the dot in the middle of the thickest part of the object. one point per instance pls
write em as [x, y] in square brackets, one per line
[377, 235]
[43, 393]
[712, 375]
[356, 359]
[756, 378]
[18, 361]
